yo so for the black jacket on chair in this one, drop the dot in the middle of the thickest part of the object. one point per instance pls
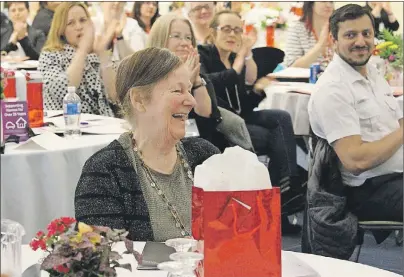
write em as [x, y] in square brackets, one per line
[267, 59]
[32, 44]
[329, 229]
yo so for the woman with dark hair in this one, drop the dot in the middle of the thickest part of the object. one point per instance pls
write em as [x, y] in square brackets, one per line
[308, 39]
[384, 16]
[146, 14]
[229, 64]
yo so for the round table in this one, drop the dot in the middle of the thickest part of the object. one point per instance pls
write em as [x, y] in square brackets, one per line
[278, 97]
[38, 185]
[325, 267]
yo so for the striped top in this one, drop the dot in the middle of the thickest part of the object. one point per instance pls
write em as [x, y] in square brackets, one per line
[109, 192]
[299, 41]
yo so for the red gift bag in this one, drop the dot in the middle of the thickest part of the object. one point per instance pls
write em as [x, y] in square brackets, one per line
[241, 232]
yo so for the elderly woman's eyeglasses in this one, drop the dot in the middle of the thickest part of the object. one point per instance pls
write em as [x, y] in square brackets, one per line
[179, 37]
[200, 7]
[227, 29]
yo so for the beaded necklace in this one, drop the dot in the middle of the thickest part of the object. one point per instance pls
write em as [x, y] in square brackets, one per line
[173, 210]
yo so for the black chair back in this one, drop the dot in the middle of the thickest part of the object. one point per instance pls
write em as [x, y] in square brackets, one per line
[267, 59]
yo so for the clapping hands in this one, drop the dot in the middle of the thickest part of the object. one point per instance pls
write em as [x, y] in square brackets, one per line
[193, 64]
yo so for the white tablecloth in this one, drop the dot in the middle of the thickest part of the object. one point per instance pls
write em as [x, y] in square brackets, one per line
[294, 103]
[325, 267]
[38, 186]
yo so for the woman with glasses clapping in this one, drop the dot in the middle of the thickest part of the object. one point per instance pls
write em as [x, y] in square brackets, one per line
[230, 66]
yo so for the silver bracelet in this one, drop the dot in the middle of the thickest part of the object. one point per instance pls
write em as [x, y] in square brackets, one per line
[248, 57]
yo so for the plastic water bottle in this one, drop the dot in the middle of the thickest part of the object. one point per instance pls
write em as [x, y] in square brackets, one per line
[71, 112]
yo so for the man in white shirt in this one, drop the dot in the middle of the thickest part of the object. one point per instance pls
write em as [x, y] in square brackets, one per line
[131, 37]
[354, 109]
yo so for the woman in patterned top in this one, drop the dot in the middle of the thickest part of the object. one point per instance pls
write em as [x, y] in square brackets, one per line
[73, 57]
[308, 40]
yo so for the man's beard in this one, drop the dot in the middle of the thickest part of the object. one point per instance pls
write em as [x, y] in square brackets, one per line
[355, 63]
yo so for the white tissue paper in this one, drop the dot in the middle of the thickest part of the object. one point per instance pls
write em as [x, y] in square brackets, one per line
[234, 170]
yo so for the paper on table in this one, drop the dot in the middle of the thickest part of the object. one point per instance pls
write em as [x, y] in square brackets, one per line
[292, 73]
[45, 141]
[299, 87]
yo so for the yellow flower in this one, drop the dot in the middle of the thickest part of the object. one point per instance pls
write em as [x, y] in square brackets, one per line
[393, 47]
[84, 228]
[95, 238]
[384, 45]
[77, 239]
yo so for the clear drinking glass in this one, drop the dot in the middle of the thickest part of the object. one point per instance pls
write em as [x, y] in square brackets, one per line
[174, 269]
[182, 244]
[189, 260]
[11, 236]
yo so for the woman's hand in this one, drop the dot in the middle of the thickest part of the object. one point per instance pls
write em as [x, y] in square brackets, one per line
[323, 39]
[387, 7]
[194, 66]
[247, 42]
[86, 42]
[120, 26]
[102, 42]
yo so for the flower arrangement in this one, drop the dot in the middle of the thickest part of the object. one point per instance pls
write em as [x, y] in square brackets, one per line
[390, 49]
[273, 16]
[83, 253]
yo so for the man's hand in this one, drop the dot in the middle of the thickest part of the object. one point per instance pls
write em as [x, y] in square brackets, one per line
[21, 30]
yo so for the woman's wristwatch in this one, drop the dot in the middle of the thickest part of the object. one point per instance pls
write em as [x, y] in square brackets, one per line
[202, 84]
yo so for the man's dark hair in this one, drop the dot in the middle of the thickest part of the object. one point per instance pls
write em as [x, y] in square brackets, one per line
[348, 12]
[16, 2]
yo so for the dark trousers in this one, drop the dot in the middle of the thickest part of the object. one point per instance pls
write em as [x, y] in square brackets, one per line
[378, 199]
[272, 134]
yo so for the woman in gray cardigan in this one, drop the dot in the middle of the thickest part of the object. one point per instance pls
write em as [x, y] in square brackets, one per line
[142, 181]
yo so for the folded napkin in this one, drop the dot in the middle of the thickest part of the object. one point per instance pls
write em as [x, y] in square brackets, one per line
[45, 141]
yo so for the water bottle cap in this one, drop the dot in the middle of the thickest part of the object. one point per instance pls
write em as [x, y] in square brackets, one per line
[71, 89]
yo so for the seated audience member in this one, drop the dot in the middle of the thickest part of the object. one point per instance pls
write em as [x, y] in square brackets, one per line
[271, 131]
[43, 18]
[18, 38]
[146, 13]
[307, 40]
[142, 181]
[129, 37]
[354, 110]
[384, 16]
[200, 14]
[73, 57]
[175, 33]
[232, 126]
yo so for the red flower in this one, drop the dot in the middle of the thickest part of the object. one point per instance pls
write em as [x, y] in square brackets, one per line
[68, 220]
[40, 234]
[35, 244]
[61, 268]
[60, 225]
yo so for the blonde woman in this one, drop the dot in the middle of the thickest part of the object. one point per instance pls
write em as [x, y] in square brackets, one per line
[72, 56]
[176, 34]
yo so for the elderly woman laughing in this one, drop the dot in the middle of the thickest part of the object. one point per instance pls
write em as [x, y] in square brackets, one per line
[142, 181]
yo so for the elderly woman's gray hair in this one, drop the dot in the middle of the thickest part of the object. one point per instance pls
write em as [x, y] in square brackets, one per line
[138, 74]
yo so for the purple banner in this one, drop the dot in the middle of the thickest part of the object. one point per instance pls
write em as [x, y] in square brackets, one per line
[14, 118]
